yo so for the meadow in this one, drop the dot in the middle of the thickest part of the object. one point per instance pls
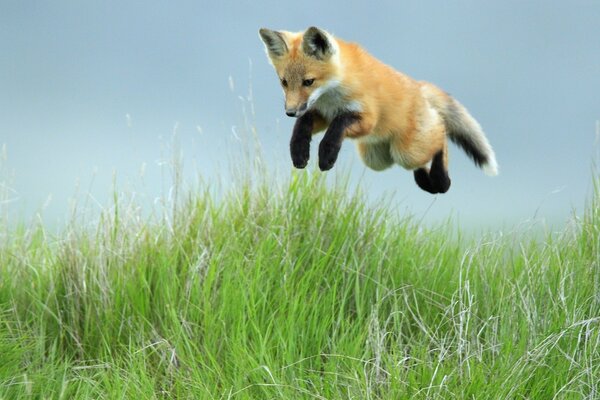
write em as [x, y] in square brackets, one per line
[296, 290]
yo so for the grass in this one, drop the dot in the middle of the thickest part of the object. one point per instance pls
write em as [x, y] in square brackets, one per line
[296, 291]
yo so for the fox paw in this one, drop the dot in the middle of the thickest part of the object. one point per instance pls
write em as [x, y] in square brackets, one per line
[300, 151]
[328, 153]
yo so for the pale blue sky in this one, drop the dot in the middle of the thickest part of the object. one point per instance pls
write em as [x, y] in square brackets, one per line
[89, 88]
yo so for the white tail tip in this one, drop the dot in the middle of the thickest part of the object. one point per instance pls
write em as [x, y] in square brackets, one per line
[491, 167]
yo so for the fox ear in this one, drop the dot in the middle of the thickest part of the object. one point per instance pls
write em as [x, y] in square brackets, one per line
[316, 43]
[274, 42]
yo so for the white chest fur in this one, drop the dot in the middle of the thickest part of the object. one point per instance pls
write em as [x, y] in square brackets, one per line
[330, 100]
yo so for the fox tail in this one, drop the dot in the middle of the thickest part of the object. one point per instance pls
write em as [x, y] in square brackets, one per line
[464, 131]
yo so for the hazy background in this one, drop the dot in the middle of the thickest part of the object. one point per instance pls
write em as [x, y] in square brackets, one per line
[93, 91]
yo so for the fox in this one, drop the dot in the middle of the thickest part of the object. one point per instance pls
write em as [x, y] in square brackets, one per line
[338, 87]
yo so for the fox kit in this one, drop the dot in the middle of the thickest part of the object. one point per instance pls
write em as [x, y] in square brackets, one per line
[333, 85]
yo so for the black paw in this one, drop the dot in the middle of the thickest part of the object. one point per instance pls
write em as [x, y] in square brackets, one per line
[328, 153]
[424, 180]
[438, 174]
[434, 181]
[441, 181]
[300, 151]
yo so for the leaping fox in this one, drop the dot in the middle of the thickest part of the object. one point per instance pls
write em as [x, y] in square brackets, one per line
[335, 85]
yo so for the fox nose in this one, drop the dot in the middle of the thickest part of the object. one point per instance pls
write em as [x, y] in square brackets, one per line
[296, 112]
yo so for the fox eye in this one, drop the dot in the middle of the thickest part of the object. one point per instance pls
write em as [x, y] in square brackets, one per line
[307, 82]
[284, 82]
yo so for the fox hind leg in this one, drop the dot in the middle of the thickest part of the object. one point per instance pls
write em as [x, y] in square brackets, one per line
[436, 179]
[423, 180]
[439, 172]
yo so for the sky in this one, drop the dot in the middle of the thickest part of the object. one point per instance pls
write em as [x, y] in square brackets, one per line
[94, 94]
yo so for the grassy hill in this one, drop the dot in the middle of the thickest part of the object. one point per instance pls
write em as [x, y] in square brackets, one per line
[296, 291]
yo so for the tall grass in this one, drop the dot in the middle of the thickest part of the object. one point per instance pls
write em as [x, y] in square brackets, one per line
[296, 290]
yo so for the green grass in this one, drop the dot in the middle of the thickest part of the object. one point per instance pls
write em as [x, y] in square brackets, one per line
[296, 291]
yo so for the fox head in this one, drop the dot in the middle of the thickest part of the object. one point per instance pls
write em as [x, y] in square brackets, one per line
[306, 64]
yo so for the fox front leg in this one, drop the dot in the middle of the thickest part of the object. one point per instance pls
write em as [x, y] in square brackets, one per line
[300, 143]
[307, 125]
[332, 141]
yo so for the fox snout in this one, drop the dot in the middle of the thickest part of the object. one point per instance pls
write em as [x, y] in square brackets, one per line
[296, 111]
